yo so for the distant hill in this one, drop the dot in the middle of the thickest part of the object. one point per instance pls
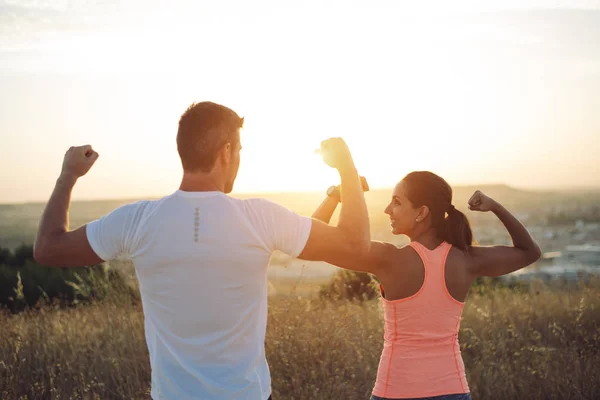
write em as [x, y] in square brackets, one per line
[18, 222]
[506, 194]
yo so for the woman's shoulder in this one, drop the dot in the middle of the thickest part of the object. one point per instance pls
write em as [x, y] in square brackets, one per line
[399, 256]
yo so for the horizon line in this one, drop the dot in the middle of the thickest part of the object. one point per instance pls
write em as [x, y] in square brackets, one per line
[274, 192]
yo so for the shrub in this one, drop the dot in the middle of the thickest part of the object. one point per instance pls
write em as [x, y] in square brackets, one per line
[24, 282]
[350, 285]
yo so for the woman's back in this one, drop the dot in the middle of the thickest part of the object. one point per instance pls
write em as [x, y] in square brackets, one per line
[421, 355]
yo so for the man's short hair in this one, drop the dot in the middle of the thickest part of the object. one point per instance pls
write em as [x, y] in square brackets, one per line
[203, 129]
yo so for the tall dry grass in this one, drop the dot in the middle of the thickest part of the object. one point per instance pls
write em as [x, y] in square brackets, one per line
[534, 345]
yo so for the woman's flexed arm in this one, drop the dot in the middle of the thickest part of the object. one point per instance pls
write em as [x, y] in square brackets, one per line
[501, 260]
[326, 209]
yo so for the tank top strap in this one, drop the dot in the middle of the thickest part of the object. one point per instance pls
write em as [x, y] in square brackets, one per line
[424, 252]
[421, 251]
[443, 248]
[434, 262]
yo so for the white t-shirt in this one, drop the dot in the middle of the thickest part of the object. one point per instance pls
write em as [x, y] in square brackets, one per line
[201, 260]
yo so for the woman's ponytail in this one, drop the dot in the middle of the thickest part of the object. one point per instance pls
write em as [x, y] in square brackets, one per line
[431, 190]
[456, 229]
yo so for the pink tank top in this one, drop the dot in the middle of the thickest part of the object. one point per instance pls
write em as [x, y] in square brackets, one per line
[421, 355]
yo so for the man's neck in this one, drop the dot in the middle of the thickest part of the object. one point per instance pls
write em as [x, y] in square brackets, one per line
[201, 182]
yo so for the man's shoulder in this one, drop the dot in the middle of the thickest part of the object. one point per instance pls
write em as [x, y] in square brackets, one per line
[247, 202]
[140, 205]
[260, 204]
[139, 208]
[258, 207]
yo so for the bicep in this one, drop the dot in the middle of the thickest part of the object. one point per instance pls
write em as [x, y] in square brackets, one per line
[71, 249]
[495, 261]
[330, 244]
[99, 240]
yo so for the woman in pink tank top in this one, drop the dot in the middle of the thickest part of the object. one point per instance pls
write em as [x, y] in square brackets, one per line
[424, 284]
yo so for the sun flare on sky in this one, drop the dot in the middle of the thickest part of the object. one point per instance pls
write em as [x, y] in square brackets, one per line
[478, 95]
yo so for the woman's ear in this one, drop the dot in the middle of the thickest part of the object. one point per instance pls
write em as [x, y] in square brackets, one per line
[423, 213]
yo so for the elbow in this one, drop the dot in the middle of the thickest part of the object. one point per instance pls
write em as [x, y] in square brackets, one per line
[42, 254]
[39, 255]
[530, 253]
[534, 253]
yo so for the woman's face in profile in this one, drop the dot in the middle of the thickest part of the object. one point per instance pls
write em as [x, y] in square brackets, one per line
[401, 211]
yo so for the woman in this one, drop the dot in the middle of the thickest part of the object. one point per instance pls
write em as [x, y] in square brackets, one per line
[424, 284]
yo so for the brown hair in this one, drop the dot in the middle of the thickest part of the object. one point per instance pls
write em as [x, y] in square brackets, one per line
[424, 188]
[203, 129]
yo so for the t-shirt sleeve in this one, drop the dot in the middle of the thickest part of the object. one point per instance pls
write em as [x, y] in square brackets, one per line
[114, 233]
[283, 229]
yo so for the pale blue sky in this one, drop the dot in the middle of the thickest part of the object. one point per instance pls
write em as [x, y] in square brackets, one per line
[507, 92]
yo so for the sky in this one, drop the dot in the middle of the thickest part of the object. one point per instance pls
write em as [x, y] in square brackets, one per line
[478, 92]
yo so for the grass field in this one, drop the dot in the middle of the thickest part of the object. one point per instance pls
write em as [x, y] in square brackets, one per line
[540, 344]
[543, 344]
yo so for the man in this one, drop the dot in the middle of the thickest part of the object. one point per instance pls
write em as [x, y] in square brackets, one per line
[201, 256]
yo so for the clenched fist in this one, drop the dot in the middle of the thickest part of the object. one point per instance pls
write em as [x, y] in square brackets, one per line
[481, 202]
[336, 154]
[78, 161]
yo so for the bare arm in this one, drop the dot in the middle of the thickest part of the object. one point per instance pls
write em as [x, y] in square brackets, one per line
[501, 260]
[354, 216]
[372, 261]
[55, 245]
[326, 209]
[352, 234]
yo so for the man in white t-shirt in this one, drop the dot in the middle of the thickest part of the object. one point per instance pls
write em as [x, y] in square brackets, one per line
[201, 256]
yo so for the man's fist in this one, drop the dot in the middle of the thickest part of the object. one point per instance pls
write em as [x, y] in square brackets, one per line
[335, 153]
[78, 160]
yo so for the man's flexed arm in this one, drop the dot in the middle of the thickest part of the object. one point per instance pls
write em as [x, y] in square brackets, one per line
[352, 234]
[53, 241]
